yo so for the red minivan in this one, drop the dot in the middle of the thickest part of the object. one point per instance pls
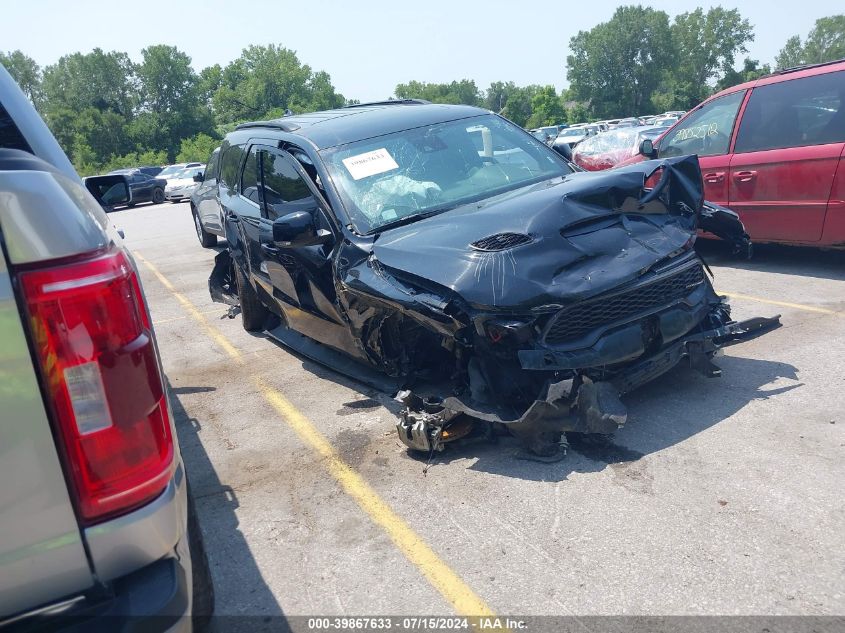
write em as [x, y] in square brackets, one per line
[773, 150]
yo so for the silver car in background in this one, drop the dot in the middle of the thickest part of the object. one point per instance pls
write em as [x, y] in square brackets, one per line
[97, 530]
[182, 184]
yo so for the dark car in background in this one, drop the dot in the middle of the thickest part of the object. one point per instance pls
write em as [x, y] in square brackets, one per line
[446, 250]
[145, 188]
[149, 170]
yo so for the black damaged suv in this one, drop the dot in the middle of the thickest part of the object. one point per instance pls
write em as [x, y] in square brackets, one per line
[444, 250]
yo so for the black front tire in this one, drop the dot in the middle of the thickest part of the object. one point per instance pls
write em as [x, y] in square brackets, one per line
[206, 239]
[253, 312]
[158, 196]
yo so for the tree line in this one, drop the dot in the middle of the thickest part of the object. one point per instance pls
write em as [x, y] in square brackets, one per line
[108, 111]
[642, 62]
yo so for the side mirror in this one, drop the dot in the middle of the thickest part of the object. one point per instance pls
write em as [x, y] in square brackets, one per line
[647, 148]
[110, 190]
[298, 229]
[199, 177]
[564, 150]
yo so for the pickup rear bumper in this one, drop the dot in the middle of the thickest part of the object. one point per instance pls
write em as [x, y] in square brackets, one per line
[155, 598]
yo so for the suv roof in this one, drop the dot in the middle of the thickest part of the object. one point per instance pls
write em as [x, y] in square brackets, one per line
[329, 128]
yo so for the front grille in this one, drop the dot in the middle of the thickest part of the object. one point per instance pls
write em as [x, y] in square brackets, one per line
[501, 241]
[570, 324]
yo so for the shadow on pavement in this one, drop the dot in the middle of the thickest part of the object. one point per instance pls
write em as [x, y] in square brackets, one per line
[229, 555]
[661, 414]
[788, 260]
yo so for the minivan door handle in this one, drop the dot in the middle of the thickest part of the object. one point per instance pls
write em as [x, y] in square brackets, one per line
[745, 176]
[714, 177]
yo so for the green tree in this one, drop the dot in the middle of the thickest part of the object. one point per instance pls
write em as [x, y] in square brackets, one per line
[270, 79]
[825, 42]
[706, 46]
[196, 149]
[578, 113]
[618, 64]
[546, 108]
[464, 91]
[519, 105]
[105, 81]
[497, 95]
[791, 55]
[170, 105]
[25, 71]
[751, 70]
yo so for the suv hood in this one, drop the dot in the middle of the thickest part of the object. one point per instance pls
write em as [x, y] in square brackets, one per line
[555, 242]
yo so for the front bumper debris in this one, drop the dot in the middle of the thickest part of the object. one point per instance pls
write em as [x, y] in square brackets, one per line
[576, 404]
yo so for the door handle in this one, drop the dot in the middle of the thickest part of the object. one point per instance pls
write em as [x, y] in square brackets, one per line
[715, 177]
[269, 250]
[745, 176]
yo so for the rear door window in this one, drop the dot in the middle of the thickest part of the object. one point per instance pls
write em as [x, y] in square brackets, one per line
[211, 168]
[795, 113]
[230, 168]
[10, 135]
[706, 132]
[284, 189]
[250, 180]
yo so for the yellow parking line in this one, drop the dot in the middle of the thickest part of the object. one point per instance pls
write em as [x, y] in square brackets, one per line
[462, 598]
[785, 304]
[180, 318]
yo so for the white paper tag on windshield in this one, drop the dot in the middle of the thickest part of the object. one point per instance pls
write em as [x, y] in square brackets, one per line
[376, 162]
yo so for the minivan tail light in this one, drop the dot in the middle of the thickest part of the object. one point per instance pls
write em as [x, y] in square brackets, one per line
[95, 346]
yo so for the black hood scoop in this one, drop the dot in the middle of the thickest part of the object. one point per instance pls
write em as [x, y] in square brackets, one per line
[501, 242]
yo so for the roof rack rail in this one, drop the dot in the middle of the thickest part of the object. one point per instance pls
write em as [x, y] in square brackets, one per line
[278, 124]
[795, 69]
[389, 102]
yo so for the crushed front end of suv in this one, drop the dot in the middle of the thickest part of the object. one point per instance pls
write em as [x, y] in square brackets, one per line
[477, 272]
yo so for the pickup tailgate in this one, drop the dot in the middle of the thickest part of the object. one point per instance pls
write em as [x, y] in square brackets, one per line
[41, 553]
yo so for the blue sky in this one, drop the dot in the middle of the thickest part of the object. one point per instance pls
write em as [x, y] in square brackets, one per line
[367, 47]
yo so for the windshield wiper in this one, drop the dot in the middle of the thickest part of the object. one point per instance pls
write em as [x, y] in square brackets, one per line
[408, 219]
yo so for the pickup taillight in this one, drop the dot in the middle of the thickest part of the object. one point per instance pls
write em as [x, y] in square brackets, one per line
[94, 343]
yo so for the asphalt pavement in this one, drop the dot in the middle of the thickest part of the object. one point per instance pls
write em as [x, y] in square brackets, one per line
[720, 496]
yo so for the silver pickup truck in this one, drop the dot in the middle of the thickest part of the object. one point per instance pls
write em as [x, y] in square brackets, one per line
[96, 527]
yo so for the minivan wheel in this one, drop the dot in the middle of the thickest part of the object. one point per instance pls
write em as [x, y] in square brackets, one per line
[203, 585]
[158, 196]
[253, 312]
[206, 239]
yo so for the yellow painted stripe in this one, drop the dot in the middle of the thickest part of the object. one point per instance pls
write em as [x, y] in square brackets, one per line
[181, 318]
[785, 304]
[447, 582]
[462, 598]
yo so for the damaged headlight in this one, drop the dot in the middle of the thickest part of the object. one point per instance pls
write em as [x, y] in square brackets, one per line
[508, 331]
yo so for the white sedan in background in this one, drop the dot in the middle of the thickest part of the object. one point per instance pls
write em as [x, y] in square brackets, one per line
[180, 186]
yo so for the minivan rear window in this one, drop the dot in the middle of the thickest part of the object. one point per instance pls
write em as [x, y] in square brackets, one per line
[795, 113]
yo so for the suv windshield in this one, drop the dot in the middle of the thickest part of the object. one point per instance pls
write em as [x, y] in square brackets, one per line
[406, 175]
